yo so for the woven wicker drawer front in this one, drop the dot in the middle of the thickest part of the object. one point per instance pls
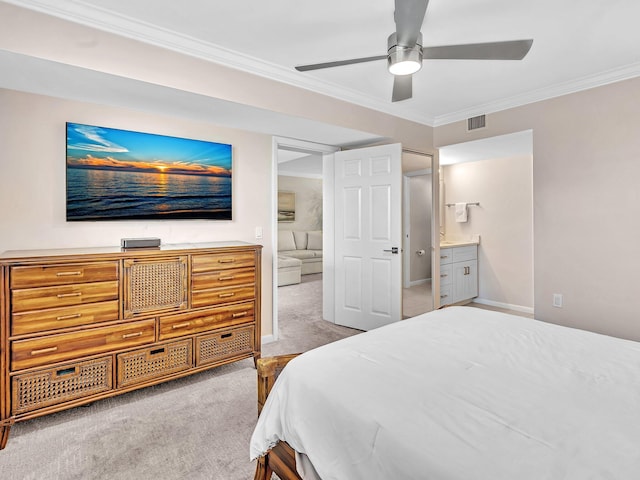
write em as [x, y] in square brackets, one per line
[222, 261]
[157, 285]
[154, 362]
[43, 276]
[61, 347]
[23, 300]
[57, 385]
[182, 324]
[224, 278]
[55, 318]
[217, 296]
[224, 344]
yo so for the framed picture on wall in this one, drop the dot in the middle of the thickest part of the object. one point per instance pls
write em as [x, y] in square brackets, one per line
[117, 174]
[286, 206]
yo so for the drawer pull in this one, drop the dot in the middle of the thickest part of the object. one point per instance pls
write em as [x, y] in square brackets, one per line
[230, 277]
[68, 274]
[442, 275]
[66, 317]
[444, 296]
[131, 335]
[226, 335]
[239, 314]
[180, 325]
[65, 295]
[444, 256]
[226, 260]
[225, 295]
[156, 351]
[66, 371]
[44, 350]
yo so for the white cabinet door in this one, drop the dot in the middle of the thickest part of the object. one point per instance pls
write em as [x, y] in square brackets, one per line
[465, 280]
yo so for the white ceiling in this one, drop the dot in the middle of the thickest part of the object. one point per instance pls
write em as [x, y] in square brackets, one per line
[577, 45]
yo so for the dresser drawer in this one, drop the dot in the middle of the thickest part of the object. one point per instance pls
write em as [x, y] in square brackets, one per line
[43, 276]
[464, 254]
[446, 274]
[154, 285]
[223, 278]
[154, 362]
[172, 326]
[52, 386]
[66, 346]
[222, 261]
[217, 296]
[63, 295]
[56, 318]
[224, 344]
[445, 256]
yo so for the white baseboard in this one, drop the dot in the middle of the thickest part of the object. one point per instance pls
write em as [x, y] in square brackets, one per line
[267, 339]
[491, 303]
[413, 283]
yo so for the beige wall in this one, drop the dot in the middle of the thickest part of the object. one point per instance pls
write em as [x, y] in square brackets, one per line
[308, 202]
[32, 171]
[504, 221]
[586, 169]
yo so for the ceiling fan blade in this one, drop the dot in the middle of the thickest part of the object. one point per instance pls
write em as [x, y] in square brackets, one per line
[317, 66]
[402, 88]
[510, 50]
[409, 15]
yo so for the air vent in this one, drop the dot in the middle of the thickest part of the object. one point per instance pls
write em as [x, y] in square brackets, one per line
[476, 122]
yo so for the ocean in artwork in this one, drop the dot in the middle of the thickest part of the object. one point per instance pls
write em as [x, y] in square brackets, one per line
[117, 174]
[94, 194]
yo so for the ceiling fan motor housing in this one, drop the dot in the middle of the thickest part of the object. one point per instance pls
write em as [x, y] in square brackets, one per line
[401, 57]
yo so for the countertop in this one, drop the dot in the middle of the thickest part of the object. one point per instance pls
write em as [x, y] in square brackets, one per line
[457, 243]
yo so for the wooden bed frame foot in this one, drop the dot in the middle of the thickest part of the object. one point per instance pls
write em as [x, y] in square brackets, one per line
[263, 472]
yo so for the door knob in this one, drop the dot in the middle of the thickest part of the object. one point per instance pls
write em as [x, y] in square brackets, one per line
[392, 250]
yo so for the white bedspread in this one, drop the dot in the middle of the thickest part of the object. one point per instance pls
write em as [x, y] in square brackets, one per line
[464, 394]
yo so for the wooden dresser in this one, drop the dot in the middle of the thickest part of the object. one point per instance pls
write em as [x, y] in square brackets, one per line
[78, 325]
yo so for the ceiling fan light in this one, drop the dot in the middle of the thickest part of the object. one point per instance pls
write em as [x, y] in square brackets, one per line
[406, 67]
[402, 60]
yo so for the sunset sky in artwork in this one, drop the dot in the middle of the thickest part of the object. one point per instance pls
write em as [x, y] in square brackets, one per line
[111, 149]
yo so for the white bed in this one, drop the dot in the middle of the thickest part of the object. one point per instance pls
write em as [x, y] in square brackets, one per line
[464, 394]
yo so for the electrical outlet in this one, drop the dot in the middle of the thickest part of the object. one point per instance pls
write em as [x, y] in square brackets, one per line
[557, 300]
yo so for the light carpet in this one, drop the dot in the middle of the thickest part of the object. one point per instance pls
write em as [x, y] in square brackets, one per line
[196, 427]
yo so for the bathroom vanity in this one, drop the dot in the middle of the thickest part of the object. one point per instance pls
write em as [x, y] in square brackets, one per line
[458, 272]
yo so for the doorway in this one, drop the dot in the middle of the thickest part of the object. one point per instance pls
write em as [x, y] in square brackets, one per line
[298, 170]
[417, 233]
[495, 175]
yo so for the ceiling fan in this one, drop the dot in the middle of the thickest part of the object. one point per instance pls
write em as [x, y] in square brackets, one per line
[405, 51]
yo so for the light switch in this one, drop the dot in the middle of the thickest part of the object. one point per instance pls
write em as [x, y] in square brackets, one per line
[258, 233]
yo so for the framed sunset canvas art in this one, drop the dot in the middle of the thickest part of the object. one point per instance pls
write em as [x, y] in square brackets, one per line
[124, 175]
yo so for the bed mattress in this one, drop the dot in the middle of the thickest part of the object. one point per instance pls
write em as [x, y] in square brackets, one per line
[460, 394]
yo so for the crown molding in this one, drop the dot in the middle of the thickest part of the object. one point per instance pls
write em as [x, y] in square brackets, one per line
[557, 90]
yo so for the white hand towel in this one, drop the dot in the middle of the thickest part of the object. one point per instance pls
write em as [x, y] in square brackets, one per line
[461, 212]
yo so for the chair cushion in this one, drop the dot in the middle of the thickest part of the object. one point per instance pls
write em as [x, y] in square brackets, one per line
[285, 240]
[314, 241]
[301, 254]
[301, 240]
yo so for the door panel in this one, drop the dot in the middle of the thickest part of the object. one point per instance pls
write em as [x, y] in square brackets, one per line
[368, 283]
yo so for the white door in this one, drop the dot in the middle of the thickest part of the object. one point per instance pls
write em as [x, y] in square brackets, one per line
[368, 237]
